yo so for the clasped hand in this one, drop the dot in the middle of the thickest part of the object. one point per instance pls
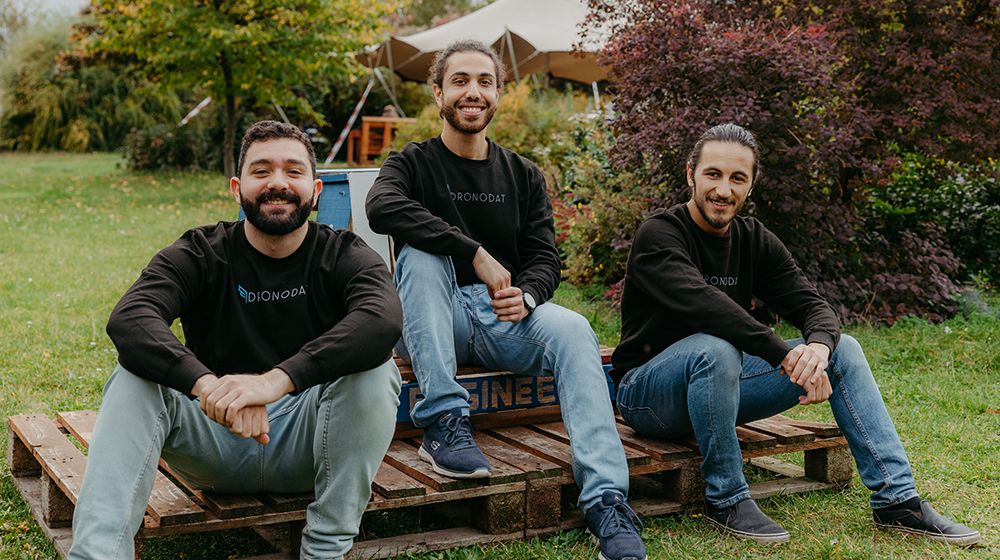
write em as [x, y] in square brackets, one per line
[507, 302]
[238, 401]
[805, 365]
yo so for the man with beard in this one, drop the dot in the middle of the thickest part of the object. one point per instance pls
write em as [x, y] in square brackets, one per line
[285, 382]
[693, 359]
[476, 264]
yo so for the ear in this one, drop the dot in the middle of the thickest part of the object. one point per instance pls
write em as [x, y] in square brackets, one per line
[317, 189]
[234, 187]
[690, 175]
[438, 95]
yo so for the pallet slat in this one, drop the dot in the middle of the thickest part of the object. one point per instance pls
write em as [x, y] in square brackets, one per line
[168, 504]
[783, 432]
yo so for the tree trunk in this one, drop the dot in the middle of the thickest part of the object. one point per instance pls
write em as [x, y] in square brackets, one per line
[228, 165]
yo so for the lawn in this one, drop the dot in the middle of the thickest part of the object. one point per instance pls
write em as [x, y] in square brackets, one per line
[76, 230]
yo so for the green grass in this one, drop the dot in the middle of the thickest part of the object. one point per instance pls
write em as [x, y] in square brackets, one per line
[75, 230]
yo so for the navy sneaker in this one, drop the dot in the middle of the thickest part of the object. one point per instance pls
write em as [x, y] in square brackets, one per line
[610, 525]
[923, 521]
[745, 520]
[449, 448]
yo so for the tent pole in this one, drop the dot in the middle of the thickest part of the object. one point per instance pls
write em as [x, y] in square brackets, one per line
[597, 96]
[391, 96]
[510, 49]
[392, 70]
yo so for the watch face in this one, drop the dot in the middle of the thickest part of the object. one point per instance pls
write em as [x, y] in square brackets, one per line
[529, 301]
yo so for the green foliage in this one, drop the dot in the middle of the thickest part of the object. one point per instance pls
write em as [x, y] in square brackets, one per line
[49, 107]
[198, 145]
[531, 123]
[75, 232]
[964, 200]
[254, 50]
[596, 208]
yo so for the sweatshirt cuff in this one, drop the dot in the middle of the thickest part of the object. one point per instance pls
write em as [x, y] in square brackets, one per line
[823, 338]
[302, 369]
[185, 372]
[773, 349]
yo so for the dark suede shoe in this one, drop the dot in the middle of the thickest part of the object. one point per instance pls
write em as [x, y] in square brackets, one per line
[745, 520]
[925, 522]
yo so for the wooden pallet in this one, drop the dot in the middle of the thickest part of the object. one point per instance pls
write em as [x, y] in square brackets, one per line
[528, 449]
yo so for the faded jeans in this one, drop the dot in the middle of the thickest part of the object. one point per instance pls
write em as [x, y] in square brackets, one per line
[445, 325]
[703, 384]
[329, 439]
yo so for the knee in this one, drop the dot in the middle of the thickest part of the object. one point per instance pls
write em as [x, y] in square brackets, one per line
[849, 355]
[421, 262]
[715, 357]
[377, 388]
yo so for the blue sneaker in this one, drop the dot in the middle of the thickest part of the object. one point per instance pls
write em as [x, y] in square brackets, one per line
[449, 448]
[610, 526]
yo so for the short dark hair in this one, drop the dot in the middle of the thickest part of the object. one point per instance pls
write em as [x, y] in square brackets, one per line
[731, 133]
[273, 130]
[435, 76]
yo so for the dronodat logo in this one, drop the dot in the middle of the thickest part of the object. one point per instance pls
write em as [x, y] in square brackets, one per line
[475, 197]
[270, 295]
[722, 280]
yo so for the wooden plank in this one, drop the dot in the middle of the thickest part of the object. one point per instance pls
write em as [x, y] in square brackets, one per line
[778, 466]
[20, 459]
[501, 472]
[168, 504]
[390, 482]
[404, 457]
[822, 429]
[557, 430]
[30, 488]
[536, 444]
[424, 542]
[230, 506]
[659, 449]
[784, 433]
[749, 439]
[487, 420]
[287, 502]
[63, 462]
[533, 466]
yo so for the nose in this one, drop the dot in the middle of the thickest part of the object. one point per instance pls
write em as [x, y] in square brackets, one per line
[278, 181]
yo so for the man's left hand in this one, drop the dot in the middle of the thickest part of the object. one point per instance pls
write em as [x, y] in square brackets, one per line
[805, 365]
[223, 399]
[508, 304]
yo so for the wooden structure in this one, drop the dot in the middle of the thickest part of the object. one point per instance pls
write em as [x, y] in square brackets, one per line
[531, 464]
[528, 449]
[375, 136]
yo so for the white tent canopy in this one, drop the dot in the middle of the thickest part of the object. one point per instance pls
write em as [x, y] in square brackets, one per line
[542, 34]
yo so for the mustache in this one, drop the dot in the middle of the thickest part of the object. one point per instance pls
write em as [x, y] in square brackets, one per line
[721, 200]
[286, 195]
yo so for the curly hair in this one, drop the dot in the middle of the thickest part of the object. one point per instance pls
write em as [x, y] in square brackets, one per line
[273, 130]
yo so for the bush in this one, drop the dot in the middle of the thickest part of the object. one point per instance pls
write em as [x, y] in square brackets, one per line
[963, 200]
[682, 66]
[48, 107]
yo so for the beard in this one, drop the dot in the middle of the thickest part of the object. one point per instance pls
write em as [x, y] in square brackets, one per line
[716, 221]
[450, 114]
[277, 225]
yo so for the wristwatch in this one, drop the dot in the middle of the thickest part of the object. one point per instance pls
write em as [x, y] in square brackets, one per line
[529, 302]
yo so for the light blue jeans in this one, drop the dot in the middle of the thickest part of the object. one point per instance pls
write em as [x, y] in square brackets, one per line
[703, 384]
[329, 439]
[445, 325]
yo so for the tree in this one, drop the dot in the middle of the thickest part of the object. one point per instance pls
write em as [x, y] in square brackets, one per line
[680, 66]
[238, 50]
[47, 107]
[12, 19]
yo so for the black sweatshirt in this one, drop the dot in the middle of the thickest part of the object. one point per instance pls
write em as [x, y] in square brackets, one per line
[682, 280]
[325, 311]
[440, 203]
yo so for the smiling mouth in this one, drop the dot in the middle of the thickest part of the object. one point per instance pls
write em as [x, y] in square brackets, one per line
[472, 111]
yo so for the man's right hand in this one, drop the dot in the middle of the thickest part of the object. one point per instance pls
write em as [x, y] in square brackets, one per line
[490, 271]
[238, 401]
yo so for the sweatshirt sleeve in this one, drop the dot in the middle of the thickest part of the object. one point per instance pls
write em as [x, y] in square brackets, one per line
[663, 268]
[364, 338]
[140, 323]
[392, 210]
[785, 289]
[540, 264]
